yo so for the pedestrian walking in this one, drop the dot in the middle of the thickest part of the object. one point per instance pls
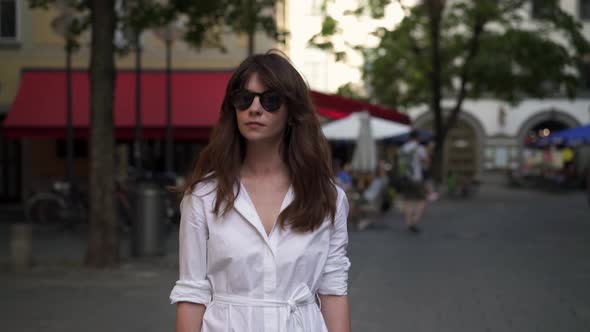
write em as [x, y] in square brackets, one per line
[263, 233]
[412, 158]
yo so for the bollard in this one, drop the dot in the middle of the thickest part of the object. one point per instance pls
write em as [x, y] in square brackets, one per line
[21, 246]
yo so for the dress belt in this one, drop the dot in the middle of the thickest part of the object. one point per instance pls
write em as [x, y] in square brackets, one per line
[301, 296]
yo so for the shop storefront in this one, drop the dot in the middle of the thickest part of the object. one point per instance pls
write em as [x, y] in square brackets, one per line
[37, 119]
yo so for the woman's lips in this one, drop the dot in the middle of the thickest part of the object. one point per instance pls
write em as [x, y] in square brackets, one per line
[254, 124]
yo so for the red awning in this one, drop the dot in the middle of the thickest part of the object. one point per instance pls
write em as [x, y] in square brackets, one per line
[39, 109]
[337, 107]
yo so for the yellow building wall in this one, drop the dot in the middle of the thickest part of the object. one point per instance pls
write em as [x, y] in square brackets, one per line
[42, 34]
[40, 47]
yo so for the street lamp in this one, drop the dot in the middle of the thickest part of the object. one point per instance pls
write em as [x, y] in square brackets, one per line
[134, 30]
[137, 143]
[62, 26]
[168, 34]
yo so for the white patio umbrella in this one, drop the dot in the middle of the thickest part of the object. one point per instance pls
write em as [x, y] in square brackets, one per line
[348, 129]
[364, 158]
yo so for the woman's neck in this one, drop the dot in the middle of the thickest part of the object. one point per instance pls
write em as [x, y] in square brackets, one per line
[263, 160]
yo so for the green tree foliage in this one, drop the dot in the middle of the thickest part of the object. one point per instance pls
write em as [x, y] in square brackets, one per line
[322, 40]
[74, 15]
[458, 49]
[205, 21]
[348, 90]
[486, 48]
[103, 239]
[250, 16]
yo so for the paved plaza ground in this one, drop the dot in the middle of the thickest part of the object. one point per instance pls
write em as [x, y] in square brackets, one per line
[505, 260]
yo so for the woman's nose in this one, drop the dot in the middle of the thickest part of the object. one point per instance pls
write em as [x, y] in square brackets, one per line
[256, 106]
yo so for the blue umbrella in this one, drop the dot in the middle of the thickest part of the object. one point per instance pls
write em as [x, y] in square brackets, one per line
[568, 137]
[423, 136]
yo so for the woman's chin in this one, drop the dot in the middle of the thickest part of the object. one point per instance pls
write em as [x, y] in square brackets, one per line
[260, 138]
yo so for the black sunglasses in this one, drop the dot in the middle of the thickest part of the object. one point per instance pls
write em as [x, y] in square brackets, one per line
[269, 99]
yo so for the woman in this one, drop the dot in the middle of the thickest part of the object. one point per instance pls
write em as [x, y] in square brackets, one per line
[263, 232]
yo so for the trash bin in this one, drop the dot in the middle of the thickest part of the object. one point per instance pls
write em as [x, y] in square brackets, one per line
[148, 232]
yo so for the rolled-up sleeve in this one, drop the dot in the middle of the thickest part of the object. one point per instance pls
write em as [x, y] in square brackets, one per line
[193, 285]
[334, 280]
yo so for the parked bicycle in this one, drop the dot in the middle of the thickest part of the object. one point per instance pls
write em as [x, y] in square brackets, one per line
[63, 204]
[66, 205]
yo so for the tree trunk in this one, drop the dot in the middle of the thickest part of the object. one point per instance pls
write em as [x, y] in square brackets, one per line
[251, 26]
[251, 43]
[435, 8]
[103, 242]
[444, 125]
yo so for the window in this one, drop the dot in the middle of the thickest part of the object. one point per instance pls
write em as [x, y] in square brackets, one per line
[585, 10]
[8, 20]
[542, 8]
[313, 7]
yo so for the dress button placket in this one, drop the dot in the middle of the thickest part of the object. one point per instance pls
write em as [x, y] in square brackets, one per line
[270, 314]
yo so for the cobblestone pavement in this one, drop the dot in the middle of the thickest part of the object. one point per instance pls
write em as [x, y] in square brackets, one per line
[501, 261]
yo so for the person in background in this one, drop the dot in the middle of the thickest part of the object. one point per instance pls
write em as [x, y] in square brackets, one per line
[412, 158]
[372, 197]
[342, 173]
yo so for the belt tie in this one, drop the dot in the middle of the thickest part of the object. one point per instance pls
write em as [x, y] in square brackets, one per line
[301, 296]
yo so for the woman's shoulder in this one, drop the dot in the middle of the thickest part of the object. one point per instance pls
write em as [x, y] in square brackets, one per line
[204, 188]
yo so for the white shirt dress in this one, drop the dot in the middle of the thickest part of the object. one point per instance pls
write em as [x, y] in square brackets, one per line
[251, 282]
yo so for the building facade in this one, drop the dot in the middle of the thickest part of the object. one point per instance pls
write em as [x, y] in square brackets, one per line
[29, 41]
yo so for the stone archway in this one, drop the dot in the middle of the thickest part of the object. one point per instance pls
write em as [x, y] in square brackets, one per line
[464, 147]
[540, 117]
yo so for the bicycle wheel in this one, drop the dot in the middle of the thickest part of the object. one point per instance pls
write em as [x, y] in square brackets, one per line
[46, 209]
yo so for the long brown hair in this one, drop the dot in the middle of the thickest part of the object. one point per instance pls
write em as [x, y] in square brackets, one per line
[304, 148]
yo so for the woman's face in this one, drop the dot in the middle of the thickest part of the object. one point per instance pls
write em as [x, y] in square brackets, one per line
[255, 123]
